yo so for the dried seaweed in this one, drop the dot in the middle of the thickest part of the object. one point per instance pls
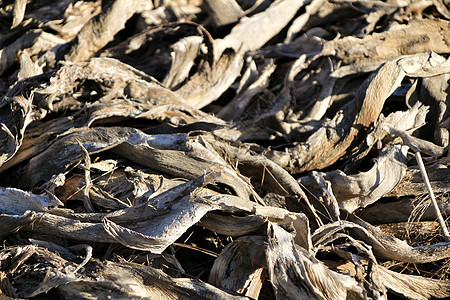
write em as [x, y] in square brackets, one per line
[223, 149]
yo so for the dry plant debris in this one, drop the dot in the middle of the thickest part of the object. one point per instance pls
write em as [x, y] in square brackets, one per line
[222, 149]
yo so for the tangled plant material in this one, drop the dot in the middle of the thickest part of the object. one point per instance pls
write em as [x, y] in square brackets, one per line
[183, 150]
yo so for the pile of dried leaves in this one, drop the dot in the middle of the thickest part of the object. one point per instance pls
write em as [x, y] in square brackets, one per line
[224, 149]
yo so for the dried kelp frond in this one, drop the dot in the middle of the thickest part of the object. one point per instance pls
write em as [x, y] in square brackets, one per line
[407, 208]
[240, 267]
[100, 30]
[434, 92]
[409, 121]
[51, 160]
[50, 267]
[331, 141]
[11, 223]
[157, 233]
[211, 81]
[16, 115]
[118, 280]
[14, 201]
[368, 53]
[299, 274]
[176, 44]
[140, 282]
[413, 287]
[360, 190]
[392, 248]
[113, 78]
